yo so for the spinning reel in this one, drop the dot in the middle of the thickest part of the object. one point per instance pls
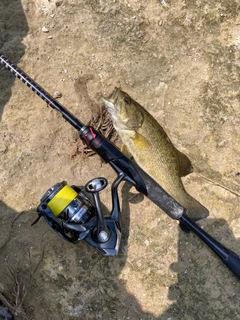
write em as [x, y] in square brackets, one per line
[74, 217]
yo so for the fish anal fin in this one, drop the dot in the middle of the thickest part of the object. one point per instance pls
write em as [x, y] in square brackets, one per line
[195, 210]
[185, 165]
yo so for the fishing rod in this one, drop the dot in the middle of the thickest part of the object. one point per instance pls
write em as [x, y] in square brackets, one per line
[74, 217]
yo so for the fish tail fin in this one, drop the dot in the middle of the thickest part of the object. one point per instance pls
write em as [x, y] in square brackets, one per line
[195, 210]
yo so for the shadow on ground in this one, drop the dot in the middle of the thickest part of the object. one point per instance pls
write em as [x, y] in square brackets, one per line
[14, 28]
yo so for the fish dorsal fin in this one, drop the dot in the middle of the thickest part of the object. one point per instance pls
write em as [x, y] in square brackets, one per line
[185, 166]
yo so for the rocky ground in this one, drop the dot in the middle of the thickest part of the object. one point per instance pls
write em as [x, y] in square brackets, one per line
[180, 60]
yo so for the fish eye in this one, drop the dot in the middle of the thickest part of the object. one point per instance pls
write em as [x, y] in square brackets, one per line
[127, 100]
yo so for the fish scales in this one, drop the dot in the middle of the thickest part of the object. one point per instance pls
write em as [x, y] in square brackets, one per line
[145, 140]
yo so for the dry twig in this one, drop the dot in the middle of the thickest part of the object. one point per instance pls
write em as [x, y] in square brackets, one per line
[103, 123]
[19, 287]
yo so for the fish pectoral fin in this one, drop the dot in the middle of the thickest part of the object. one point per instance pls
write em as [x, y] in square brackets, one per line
[185, 165]
[126, 152]
[140, 141]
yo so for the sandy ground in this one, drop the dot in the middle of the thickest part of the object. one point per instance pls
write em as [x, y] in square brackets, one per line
[181, 61]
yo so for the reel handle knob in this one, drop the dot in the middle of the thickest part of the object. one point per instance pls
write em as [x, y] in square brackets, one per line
[96, 185]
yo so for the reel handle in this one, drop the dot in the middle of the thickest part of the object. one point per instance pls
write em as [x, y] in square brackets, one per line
[102, 233]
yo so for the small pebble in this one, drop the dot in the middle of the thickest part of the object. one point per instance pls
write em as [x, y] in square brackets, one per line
[57, 94]
[44, 29]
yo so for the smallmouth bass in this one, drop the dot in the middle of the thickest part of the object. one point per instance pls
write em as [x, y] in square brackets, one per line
[145, 140]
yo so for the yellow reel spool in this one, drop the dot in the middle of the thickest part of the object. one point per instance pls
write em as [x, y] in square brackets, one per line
[62, 199]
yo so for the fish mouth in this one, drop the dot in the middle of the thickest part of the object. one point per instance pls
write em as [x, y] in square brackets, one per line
[112, 102]
[114, 96]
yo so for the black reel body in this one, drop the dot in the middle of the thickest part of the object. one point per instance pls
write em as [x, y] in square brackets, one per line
[74, 217]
